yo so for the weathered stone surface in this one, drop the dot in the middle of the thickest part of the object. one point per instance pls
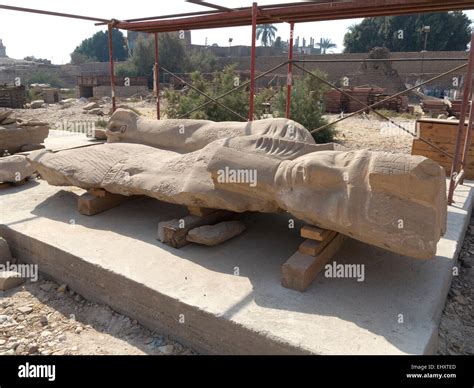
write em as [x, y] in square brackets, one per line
[94, 111]
[4, 114]
[5, 254]
[15, 168]
[191, 135]
[91, 105]
[36, 104]
[14, 137]
[215, 234]
[9, 280]
[397, 202]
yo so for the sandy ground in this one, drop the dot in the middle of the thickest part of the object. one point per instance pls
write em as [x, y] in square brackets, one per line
[45, 318]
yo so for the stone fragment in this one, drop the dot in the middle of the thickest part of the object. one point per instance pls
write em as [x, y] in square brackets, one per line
[166, 349]
[10, 279]
[5, 113]
[15, 168]
[36, 104]
[91, 105]
[14, 137]
[95, 111]
[25, 309]
[212, 235]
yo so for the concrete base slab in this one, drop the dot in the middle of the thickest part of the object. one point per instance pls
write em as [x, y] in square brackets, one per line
[228, 299]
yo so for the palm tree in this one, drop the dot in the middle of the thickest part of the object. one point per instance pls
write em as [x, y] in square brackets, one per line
[267, 33]
[325, 44]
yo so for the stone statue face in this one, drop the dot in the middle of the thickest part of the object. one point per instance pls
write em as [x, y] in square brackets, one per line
[123, 122]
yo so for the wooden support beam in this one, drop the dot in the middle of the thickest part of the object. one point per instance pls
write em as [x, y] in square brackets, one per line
[315, 233]
[300, 270]
[97, 201]
[200, 211]
[313, 247]
[174, 232]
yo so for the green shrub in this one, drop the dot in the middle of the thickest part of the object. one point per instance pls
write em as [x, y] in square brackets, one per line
[307, 106]
[179, 103]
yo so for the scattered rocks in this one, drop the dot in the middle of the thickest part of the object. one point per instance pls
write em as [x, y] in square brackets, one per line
[25, 309]
[95, 111]
[36, 104]
[10, 279]
[5, 114]
[58, 328]
[212, 235]
[456, 332]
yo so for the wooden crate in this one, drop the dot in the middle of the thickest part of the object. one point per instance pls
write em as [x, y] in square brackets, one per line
[12, 96]
[441, 133]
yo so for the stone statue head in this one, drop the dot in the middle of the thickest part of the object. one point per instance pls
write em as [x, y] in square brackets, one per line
[122, 122]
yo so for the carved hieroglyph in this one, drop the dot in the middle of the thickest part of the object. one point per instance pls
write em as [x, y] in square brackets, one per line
[397, 202]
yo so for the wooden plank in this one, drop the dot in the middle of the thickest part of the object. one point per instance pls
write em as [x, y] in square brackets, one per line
[89, 205]
[300, 270]
[315, 233]
[313, 248]
[174, 233]
[200, 211]
[99, 193]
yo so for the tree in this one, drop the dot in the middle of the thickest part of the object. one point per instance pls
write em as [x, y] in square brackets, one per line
[449, 31]
[179, 103]
[79, 59]
[325, 44]
[172, 57]
[97, 46]
[266, 33]
[201, 59]
[307, 106]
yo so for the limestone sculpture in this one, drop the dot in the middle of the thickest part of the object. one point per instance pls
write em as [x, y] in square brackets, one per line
[397, 202]
[191, 135]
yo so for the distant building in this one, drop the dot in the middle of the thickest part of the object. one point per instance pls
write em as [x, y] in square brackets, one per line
[3, 50]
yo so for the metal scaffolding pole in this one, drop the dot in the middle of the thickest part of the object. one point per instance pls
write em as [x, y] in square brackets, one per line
[252, 60]
[465, 101]
[111, 67]
[289, 80]
[157, 78]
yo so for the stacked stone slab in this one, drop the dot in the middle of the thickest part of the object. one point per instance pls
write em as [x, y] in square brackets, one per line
[17, 135]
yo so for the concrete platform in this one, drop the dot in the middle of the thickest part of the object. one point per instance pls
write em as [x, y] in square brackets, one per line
[193, 294]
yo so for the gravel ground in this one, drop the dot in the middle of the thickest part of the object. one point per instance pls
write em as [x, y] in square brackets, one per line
[369, 132]
[44, 318]
[456, 333]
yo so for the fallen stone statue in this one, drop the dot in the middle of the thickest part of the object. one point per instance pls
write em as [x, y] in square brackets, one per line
[393, 201]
